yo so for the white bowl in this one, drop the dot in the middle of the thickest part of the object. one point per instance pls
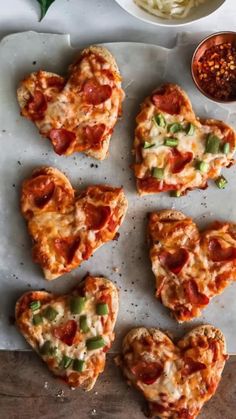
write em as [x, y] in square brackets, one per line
[204, 10]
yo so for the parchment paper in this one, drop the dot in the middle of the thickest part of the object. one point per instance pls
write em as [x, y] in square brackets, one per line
[125, 262]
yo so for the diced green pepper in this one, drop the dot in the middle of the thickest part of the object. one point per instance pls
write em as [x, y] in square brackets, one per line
[190, 129]
[175, 194]
[66, 362]
[50, 313]
[221, 182]
[159, 120]
[95, 343]
[158, 173]
[37, 319]
[83, 324]
[226, 148]
[77, 304]
[102, 309]
[148, 145]
[212, 144]
[35, 305]
[78, 365]
[175, 127]
[202, 166]
[47, 349]
[171, 142]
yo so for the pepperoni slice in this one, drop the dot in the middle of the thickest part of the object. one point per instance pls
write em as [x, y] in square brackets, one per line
[191, 367]
[61, 139]
[175, 261]
[214, 348]
[151, 184]
[41, 190]
[97, 216]
[219, 253]
[96, 93]
[66, 332]
[193, 294]
[168, 101]
[147, 372]
[179, 160]
[93, 134]
[67, 247]
[56, 82]
[37, 105]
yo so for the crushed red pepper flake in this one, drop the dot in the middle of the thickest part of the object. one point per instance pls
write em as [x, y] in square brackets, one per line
[216, 71]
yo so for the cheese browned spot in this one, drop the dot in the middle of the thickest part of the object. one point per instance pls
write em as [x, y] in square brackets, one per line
[59, 338]
[190, 268]
[176, 380]
[67, 229]
[77, 113]
[169, 137]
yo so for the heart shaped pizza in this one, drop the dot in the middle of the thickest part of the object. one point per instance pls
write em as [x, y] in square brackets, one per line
[66, 228]
[79, 112]
[176, 380]
[71, 332]
[190, 267]
[174, 150]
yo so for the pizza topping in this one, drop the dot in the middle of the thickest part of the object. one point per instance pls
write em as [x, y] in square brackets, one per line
[37, 319]
[212, 144]
[96, 93]
[77, 304]
[175, 261]
[148, 145]
[78, 365]
[62, 139]
[96, 342]
[42, 190]
[191, 367]
[151, 184]
[219, 253]
[102, 309]
[50, 313]
[202, 166]
[158, 173]
[57, 82]
[159, 120]
[67, 248]
[94, 134]
[226, 148]
[66, 332]
[179, 160]
[221, 182]
[66, 362]
[147, 372]
[190, 129]
[97, 216]
[175, 127]
[37, 105]
[193, 294]
[175, 194]
[35, 305]
[47, 349]
[171, 142]
[83, 323]
[169, 102]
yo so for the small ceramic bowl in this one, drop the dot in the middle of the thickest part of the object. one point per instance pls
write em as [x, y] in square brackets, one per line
[197, 13]
[210, 41]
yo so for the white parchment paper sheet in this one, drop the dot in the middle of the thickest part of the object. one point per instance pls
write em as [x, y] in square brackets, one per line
[125, 262]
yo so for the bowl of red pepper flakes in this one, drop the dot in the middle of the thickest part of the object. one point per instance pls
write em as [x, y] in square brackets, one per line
[214, 67]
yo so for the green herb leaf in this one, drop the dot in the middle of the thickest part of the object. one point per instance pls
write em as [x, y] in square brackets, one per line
[44, 5]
